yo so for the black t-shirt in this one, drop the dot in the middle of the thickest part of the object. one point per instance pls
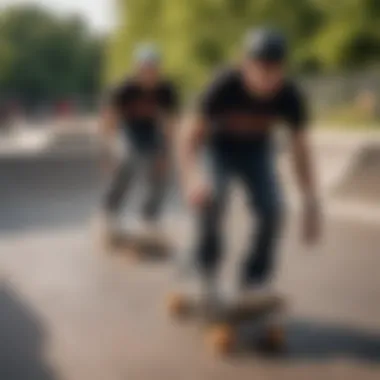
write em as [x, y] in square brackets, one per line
[240, 119]
[144, 107]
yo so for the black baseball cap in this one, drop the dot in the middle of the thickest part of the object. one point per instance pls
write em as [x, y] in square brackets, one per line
[266, 44]
[147, 54]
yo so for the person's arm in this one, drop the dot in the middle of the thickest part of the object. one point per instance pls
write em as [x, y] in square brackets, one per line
[192, 137]
[109, 121]
[305, 173]
[304, 167]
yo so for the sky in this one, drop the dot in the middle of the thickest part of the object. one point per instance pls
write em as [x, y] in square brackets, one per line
[97, 12]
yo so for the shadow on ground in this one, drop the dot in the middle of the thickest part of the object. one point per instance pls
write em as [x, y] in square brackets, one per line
[312, 340]
[21, 340]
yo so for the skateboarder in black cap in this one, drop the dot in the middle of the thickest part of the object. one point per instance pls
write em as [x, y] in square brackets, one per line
[236, 117]
[143, 109]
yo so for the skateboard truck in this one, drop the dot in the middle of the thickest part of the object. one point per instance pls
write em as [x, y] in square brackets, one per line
[221, 333]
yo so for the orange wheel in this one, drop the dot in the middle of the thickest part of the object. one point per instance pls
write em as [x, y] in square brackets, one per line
[221, 339]
[177, 305]
[275, 338]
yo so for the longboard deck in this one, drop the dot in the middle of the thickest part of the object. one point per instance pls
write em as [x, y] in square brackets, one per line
[243, 309]
[221, 327]
[142, 244]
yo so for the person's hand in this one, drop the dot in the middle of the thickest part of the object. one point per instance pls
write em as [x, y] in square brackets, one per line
[107, 158]
[312, 221]
[198, 193]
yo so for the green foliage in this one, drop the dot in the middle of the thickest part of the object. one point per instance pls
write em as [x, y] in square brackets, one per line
[197, 35]
[350, 114]
[44, 57]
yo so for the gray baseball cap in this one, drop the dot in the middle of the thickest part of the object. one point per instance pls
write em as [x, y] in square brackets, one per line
[147, 54]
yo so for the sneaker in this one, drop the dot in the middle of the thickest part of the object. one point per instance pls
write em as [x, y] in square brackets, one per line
[152, 229]
[197, 288]
[108, 225]
[229, 294]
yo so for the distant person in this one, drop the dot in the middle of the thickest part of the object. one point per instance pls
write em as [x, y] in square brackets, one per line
[143, 108]
[235, 121]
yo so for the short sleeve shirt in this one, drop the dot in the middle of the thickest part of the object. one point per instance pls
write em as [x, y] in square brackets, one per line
[238, 117]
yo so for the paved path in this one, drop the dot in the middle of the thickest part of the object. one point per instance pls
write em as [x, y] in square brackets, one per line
[70, 312]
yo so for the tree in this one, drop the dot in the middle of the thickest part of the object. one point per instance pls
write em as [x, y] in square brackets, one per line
[44, 57]
[349, 36]
[197, 35]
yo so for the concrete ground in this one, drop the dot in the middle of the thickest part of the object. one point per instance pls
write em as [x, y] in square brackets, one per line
[68, 311]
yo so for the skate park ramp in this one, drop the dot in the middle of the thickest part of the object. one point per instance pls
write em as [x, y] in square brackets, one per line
[332, 160]
[347, 169]
[361, 181]
[60, 186]
[49, 189]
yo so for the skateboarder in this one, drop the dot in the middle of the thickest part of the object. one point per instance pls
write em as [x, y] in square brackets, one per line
[236, 117]
[143, 109]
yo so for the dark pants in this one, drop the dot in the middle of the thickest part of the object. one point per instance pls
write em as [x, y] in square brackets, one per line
[255, 169]
[147, 156]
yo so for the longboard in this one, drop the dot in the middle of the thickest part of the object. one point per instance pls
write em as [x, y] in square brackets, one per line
[140, 245]
[221, 328]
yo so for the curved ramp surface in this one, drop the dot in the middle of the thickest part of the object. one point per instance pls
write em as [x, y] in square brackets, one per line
[47, 191]
[362, 180]
[69, 312]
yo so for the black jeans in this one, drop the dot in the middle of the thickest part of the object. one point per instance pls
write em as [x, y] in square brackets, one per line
[255, 169]
[147, 155]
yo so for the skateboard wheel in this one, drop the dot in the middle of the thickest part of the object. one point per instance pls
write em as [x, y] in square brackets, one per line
[221, 339]
[177, 306]
[275, 339]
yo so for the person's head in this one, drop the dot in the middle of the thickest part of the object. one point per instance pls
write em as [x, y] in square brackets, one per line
[147, 64]
[265, 54]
